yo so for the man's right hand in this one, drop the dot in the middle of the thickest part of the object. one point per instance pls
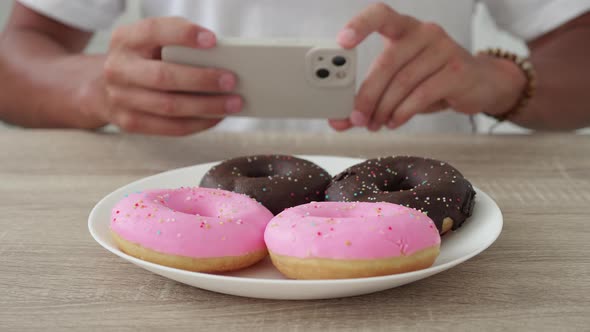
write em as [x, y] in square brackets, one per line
[148, 96]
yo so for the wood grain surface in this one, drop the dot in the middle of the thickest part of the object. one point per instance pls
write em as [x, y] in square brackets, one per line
[53, 276]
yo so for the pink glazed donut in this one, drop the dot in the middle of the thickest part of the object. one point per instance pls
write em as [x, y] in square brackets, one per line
[196, 229]
[337, 240]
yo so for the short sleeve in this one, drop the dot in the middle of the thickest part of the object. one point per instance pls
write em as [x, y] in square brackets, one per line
[529, 19]
[89, 15]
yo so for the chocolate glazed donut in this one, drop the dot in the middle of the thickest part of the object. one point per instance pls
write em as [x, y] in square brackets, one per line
[276, 181]
[431, 186]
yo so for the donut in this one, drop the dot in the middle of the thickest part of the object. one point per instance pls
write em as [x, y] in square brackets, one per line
[276, 181]
[337, 240]
[196, 229]
[431, 186]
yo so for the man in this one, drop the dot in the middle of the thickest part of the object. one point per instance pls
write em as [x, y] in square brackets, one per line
[422, 68]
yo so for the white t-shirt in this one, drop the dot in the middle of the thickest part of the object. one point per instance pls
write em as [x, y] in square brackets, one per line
[323, 19]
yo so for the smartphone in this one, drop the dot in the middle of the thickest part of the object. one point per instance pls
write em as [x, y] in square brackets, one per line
[282, 78]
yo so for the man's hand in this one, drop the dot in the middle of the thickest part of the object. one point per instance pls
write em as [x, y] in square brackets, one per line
[423, 70]
[146, 95]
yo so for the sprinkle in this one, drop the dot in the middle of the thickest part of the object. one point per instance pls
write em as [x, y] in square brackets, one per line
[159, 232]
[348, 243]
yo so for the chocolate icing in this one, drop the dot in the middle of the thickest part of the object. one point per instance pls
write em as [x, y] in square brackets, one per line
[276, 181]
[431, 186]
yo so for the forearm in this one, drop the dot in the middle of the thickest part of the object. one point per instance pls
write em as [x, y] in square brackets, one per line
[563, 70]
[44, 84]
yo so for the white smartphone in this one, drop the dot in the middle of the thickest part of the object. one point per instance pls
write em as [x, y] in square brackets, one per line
[282, 78]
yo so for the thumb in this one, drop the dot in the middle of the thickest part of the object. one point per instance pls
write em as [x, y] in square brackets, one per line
[153, 33]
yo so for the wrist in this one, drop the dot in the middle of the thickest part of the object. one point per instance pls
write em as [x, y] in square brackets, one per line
[508, 81]
[87, 114]
[90, 103]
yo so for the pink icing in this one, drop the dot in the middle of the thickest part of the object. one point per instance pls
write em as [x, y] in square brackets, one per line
[341, 230]
[192, 222]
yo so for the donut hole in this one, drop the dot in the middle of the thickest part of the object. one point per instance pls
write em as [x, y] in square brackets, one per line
[258, 173]
[390, 186]
[188, 209]
[326, 210]
[202, 210]
[177, 201]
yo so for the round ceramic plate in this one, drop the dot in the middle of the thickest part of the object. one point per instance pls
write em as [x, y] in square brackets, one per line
[263, 280]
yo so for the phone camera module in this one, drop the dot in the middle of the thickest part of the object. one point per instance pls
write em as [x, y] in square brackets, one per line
[339, 61]
[322, 73]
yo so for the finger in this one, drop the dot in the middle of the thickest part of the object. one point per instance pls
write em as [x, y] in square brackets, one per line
[394, 57]
[434, 108]
[375, 18]
[426, 98]
[144, 123]
[340, 125]
[428, 62]
[174, 105]
[158, 75]
[152, 33]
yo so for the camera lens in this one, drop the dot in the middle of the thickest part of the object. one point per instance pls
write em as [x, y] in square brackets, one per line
[322, 73]
[339, 61]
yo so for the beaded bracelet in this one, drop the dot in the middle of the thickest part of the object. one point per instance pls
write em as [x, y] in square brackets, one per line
[527, 68]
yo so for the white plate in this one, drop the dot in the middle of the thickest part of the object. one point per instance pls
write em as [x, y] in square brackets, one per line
[264, 281]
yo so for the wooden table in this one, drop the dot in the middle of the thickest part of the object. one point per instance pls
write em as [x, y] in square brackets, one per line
[54, 276]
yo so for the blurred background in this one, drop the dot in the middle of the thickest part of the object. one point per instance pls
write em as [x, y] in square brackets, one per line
[485, 35]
